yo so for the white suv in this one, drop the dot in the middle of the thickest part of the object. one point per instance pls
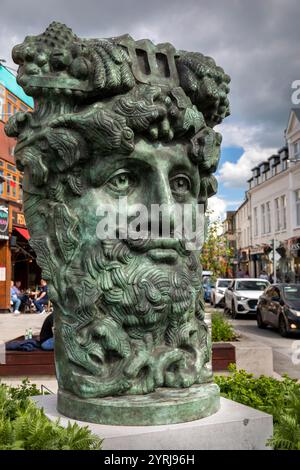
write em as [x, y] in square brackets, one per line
[218, 291]
[242, 295]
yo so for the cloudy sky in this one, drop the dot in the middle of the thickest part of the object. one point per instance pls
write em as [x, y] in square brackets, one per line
[256, 42]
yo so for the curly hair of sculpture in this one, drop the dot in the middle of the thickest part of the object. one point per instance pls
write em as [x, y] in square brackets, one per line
[117, 118]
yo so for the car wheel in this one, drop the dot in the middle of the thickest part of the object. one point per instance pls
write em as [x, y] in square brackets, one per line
[233, 310]
[259, 320]
[282, 327]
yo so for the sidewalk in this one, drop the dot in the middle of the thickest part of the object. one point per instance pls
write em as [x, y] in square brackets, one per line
[12, 326]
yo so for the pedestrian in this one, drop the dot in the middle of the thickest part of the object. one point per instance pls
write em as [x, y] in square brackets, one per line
[42, 298]
[25, 301]
[14, 300]
[46, 334]
[263, 275]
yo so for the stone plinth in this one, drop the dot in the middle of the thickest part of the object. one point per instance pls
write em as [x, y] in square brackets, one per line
[234, 427]
[164, 406]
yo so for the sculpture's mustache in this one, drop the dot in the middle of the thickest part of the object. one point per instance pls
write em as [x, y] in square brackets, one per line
[143, 245]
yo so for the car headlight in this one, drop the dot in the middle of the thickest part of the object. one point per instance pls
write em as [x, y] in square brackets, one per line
[220, 291]
[241, 298]
[295, 312]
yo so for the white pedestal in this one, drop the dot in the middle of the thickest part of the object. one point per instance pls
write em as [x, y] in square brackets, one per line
[234, 427]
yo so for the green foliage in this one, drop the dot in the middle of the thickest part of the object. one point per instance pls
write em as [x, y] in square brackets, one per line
[26, 389]
[278, 398]
[23, 426]
[216, 251]
[221, 329]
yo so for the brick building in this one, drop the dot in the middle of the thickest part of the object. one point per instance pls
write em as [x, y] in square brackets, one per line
[17, 259]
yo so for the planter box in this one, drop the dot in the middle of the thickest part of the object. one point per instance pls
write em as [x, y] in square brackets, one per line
[24, 363]
[223, 354]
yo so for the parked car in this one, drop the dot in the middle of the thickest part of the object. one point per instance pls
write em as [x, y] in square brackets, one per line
[208, 285]
[279, 306]
[218, 291]
[242, 295]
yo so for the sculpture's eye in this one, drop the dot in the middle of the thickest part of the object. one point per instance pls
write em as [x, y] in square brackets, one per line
[180, 185]
[121, 182]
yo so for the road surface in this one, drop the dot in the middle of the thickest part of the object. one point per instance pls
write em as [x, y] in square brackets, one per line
[286, 351]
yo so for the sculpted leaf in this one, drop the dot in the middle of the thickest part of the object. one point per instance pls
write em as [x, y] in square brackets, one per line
[66, 231]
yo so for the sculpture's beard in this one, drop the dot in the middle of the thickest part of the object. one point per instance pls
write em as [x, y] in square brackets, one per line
[132, 302]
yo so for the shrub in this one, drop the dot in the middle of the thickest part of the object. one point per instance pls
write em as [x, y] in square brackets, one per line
[278, 398]
[23, 426]
[221, 329]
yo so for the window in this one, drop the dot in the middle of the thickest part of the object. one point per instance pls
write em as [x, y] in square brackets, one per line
[12, 105]
[283, 211]
[263, 219]
[2, 109]
[277, 214]
[255, 222]
[296, 150]
[283, 165]
[268, 208]
[1, 183]
[297, 193]
[14, 186]
[11, 167]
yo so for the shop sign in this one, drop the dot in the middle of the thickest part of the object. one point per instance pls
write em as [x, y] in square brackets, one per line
[257, 251]
[295, 247]
[4, 222]
[19, 219]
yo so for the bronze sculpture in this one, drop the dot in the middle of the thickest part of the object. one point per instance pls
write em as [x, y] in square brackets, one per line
[119, 118]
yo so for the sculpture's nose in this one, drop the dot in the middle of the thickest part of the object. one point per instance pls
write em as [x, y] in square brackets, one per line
[162, 210]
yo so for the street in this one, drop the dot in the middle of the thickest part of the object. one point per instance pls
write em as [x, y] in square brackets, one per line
[285, 356]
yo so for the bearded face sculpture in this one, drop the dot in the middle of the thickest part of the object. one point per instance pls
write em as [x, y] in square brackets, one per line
[115, 121]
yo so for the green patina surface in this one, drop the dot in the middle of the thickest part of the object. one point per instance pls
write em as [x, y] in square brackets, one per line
[164, 406]
[117, 118]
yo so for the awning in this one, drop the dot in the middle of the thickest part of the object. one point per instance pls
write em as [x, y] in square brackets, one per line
[24, 232]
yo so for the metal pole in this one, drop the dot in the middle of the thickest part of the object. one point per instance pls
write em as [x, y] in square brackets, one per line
[274, 263]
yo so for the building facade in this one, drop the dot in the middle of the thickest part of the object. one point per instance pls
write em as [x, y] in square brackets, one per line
[17, 260]
[268, 221]
[243, 235]
[229, 230]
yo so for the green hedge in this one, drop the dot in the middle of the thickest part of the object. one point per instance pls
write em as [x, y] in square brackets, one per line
[23, 426]
[278, 398]
[221, 329]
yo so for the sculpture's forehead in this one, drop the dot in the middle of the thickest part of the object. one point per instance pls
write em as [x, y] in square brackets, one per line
[170, 154]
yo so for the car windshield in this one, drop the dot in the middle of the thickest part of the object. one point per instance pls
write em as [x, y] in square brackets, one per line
[224, 283]
[292, 293]
[251, 285]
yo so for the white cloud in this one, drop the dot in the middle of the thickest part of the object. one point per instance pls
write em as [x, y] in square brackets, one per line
[235, 175]
[218, 207]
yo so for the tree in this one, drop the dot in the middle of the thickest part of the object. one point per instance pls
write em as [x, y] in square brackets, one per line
[216, 251]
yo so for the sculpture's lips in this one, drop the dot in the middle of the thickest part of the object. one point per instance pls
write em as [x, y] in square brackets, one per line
[163, 255]
[169, 246]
